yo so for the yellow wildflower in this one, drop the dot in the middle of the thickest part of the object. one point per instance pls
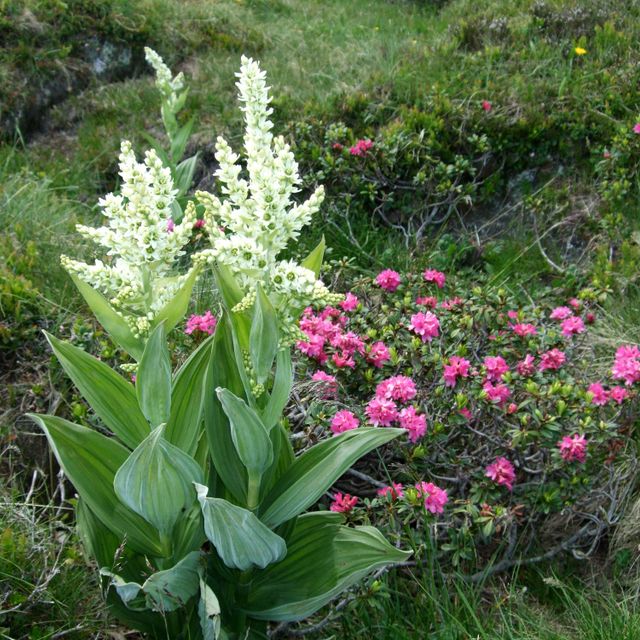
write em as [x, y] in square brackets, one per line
[580, 51]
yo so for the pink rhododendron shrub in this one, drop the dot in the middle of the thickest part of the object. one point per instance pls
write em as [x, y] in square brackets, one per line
[509, 424]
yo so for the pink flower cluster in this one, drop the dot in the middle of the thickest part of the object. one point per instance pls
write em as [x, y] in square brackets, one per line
[626, 365]
[600, 396]
[388, 280]
[327, 330]
[383, 411]
[328, 383]
[343, 503]
[206, 323]
[361, 147]
[394, 491]
[456, 369]
[426, 325]
[502, 472]
[434, 497]
[437, 277]
[573, 448]
[344, 421]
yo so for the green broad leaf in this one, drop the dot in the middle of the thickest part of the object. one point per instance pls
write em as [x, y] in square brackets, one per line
[283, 458]
[158, 147]
[184, 174]
[179, 141]
[240, 539]
[176, 211]
[115, 325]
[282, 383]
[174, 310]
[223, 372]
[156, 481]
[164, 591]
[153, 379]
[99, 541]
[229, 288]
[209, 612]
[314, 260]
[90, 460]
[249, 435]
[264, 336]
[324, 558]
[109, 394]
[187, 399]
[317, 469]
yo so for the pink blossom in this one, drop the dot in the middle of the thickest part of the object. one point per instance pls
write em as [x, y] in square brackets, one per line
[552, 359]
[431, 275]
[502, 472]
[336, 146]
[523, 329]
[361, 147]
[575, 303]
[350, 302]
[381, 412]
[457, 368]
[328, 383]
[498, 393]
[427, 301]
[636, 127]
[399, 388]
[495, 367]
[393, 491]
[447, 305]
[314, 348]
[590, 318]
[512, 408]
[426, 325]
[198, 224]
[434, 497]
[414, 423]
[626, 365]
[464, 412]
[572, 325]
[526, 367]
[573, 448]
[388, 279]
[618, 394]
[512, 314]
[342, 360]
[344, 421]
[171, 225]
[486, 106]
[599, 396]
[206, 323]
[560, 313]
[343, 503]
[378, 354]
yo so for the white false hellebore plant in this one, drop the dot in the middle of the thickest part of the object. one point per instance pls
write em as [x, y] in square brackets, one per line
[195, 508]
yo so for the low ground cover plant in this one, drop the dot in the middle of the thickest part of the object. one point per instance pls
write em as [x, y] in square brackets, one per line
[519, 429]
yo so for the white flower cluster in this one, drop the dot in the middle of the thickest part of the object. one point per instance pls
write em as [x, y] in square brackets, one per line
[254, 223]
[169, 86]
[141, 239]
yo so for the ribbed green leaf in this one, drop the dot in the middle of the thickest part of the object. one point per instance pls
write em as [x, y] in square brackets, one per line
[113, 322]
[209, 612]
[91, 460]
[109, 394]
[314, 260]
[184, 174]
[164, 591]
[174, 310]
[223, 373]
[317, 469]
[232, 294]
[282, 383]
[240, 539]
[264, 336]
[179, 141]
[153, 379]
[324, 558]
[156, 481]
[187, 399]
[249, 434]
[98, 540]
